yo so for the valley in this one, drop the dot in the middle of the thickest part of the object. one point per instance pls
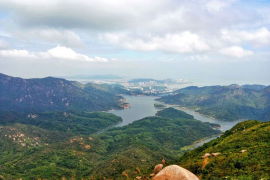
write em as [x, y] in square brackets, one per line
[79, 154]
[144, 106]
[125, 139]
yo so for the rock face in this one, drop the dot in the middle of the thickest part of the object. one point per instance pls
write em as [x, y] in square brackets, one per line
[174, 172]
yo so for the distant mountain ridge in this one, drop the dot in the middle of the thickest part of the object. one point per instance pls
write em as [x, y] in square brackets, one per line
[254, 86]
[225, 102]
[95, 77]
[53, 94]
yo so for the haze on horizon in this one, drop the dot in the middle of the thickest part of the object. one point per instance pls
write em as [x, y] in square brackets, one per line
[205, 41]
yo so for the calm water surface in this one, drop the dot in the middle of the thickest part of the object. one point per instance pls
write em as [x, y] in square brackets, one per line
[143, 106]
[224, 125]
[140, 107]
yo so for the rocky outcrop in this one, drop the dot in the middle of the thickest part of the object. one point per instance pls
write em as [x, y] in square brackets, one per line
[174, 172]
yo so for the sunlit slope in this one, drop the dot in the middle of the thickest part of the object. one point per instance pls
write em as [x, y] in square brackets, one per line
[241, 153]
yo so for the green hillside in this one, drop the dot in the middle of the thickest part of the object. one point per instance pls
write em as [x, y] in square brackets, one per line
[225, 102]
[69, 122]
[173, 113]
[244, 154]
[131, 150]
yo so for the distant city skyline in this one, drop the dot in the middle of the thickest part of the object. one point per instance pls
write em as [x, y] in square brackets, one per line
[206, 42]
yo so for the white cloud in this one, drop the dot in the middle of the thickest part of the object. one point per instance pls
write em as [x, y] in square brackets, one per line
[3, 44]
[236, 51]
[15, 53]
[184, 42]
[218, 5]
[199, 57]
[258, 37]
[59, 52]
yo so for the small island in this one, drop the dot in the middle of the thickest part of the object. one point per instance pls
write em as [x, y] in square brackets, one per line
[125, 105]
[159, 106]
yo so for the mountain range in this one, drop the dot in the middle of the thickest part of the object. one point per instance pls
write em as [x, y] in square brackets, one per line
[231, 102]
[54, 94]
[52, 128]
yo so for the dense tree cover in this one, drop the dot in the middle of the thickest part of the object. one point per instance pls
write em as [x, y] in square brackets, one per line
[109, 88]
[146, 142]
[173, 113]
[69, 122]
[130, 151]
[225, 102]
[159, 106]
[244, 154]
[54, 94]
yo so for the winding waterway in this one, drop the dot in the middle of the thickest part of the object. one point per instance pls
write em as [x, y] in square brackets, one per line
[224, 125]
[143, 106]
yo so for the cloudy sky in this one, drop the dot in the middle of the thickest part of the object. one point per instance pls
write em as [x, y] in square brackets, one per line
[204, 41]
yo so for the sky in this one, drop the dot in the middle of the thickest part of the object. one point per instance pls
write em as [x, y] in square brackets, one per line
[203, 41]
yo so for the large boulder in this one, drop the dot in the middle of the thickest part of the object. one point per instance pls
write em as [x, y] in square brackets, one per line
[174, 172]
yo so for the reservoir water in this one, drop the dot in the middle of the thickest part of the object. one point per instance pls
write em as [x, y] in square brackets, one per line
[224, 125]
[143, 106]
[140, 107]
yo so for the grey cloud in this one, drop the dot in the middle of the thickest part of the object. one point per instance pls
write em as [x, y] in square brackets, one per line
[150, 15]
[140, 18]
[93, 14]
[53, 36]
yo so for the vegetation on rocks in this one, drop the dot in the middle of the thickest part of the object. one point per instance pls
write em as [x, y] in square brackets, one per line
[240, 153]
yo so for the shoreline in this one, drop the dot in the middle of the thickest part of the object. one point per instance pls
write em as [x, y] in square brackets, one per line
[224, 125]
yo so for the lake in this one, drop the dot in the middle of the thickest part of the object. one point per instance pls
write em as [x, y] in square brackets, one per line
[140, 107]
[143, 106]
